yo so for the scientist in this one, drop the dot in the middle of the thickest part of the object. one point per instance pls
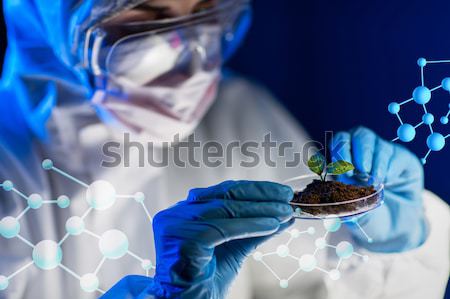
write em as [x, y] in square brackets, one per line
[78, 74]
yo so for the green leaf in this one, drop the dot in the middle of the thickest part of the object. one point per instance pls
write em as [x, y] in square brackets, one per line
[339, 167]
[317, 163]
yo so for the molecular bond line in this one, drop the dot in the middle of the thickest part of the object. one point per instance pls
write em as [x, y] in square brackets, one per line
[47, 254]
[308, 262]
[422, 96]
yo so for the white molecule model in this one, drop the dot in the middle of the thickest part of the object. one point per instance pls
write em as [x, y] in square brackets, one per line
[113, 244]
[334, 274]
[101, 195]
[284, 283]
[295, 233]
[4, 282]
[7, 185]
[257, 256]
[146, 264]
[35, 201]
[47, 255]
[321, 243]
[332, 223]
[422, 96]
[139, 197]
[283, 251]
[307, 262]
[89, 282]
[75, 225]
[9, 227]
[344, 250]
[63, 202]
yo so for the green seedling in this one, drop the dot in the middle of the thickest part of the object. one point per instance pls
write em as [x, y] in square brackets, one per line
[317, 164]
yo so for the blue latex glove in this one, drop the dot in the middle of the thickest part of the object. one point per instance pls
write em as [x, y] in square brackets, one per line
[201, 242]
[399, 224]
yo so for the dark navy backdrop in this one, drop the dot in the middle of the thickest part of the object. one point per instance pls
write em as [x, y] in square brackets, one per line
[338, 64]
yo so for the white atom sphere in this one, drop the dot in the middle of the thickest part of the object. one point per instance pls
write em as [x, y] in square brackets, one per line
[74, 225]
[344, 250]
[295, 233]
[139, 197]
[63, 201]
[146, 264]
[321, 243]
[365, 258]
[334, 274]
[307, 262]
[257, 256]
[332, 223]
[4, 282]
[35, 201]
[284, 283]
[89, 282]
[283, 251]
[311, 230]
[9, 227]
[101, 195]
[113, 244]
[47, 255]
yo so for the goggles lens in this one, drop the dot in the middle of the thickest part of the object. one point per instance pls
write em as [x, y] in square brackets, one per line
[183, 44]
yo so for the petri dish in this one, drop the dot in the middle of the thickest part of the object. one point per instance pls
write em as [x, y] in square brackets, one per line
[343, 209]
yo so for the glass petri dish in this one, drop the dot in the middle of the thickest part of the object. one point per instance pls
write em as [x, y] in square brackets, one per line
[343, 209]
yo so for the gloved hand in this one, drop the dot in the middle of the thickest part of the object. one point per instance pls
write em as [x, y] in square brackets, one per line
[399, 224]
[201, 242]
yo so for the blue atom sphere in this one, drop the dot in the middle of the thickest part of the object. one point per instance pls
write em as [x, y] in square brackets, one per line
[428, 118]
[47, 164]
[406, 133]
[394, 108]
[436, 142]
[421, 95]
[446, 84]
[421, 62]
[444, 120]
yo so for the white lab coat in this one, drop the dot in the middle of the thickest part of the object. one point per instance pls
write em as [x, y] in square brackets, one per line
[243, 112]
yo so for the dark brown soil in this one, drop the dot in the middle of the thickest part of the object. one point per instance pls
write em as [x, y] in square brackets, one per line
[319, 192]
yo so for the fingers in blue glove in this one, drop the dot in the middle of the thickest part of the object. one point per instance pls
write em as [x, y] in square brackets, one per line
[223, 208]
[341, 145]
[369, 154]
[244, 190]
[363, 146]
[382, 159]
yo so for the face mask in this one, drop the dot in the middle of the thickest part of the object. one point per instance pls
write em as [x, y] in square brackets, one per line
[162, 85]
[160, 113]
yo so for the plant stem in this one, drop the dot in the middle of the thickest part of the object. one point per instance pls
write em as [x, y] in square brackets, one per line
[325, 176]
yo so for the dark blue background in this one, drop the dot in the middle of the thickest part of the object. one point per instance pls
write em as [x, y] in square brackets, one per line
[338, 64]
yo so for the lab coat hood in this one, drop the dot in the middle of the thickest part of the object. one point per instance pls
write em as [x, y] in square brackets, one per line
[41, 67]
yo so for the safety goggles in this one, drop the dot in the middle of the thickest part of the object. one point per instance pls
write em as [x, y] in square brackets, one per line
[190, 35]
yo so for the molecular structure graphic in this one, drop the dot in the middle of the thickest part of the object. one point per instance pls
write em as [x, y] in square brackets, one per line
[308, 262]
[422, 96]
[47, 254]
